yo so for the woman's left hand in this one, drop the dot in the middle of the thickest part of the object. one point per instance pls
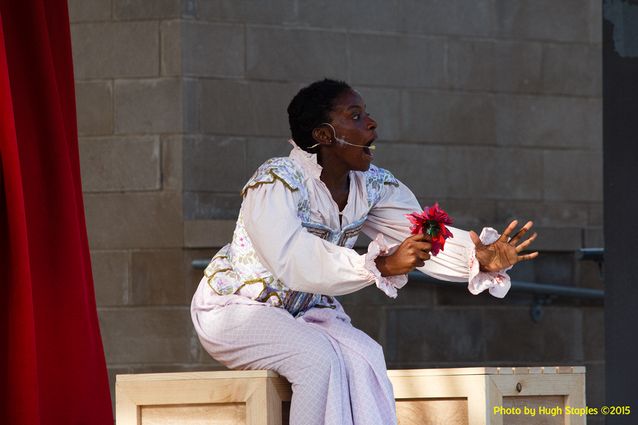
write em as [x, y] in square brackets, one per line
[505, 251]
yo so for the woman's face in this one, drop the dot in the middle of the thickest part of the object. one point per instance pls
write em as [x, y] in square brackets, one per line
[354, 125]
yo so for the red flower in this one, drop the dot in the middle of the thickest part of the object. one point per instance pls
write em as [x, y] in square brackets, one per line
[432, 221]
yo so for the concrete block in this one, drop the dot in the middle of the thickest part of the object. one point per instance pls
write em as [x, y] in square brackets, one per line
[558, 238]
[567, 20]
[573, 69]
[596, 217]
[157, 278]
[141, 9]
[259, 149]
[214, 164]
[191, 105]
[414, 294]
[573, 176]
[462, 17]
[117, 164]
[172, 147]
[295, 55]
[208, 234]
[246, 108]
[211, 205]
[248, 11]
[368, 296]
[357, 15]
[203, 49]
[467, 213]
[539, 121]
[393, 60]
[385, 107]
[148, 106]
[415, 165]
[192, 276]
[555, 268]
[594, 333]
[525, 272]
[501, 66]
[416, 335]
[458, 295]
[511, 336]
[437, 117]
[161, 335]
[479, 173]
[594, 237]
[89, 10]
[548, 213]
[94, 106]
[589, 275]
[369, 319]
[115, 49]
[110, 277]
[134, 220]
[171, 43]
[595, 21]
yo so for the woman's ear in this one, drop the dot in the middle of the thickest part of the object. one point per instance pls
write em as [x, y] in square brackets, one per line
[322, 135]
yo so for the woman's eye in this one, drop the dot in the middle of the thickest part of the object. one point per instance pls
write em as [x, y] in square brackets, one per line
[356, 117]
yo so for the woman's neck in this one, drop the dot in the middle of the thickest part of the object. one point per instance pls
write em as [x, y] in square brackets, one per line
[335, 176]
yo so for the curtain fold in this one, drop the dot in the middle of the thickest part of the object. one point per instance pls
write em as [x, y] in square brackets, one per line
[52, 362]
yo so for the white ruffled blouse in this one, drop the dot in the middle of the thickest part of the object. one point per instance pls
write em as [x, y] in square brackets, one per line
[307, 263]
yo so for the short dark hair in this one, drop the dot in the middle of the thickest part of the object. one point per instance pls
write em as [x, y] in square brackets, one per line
[310, 107]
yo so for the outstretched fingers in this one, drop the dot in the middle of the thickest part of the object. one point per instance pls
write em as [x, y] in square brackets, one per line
[508, 231]
[526, 257]
[520, 247]
[517, 237]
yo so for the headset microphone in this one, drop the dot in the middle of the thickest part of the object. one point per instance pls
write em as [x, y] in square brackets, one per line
[341, 140]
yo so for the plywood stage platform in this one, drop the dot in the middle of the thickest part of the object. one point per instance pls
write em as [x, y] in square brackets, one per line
[460, 396]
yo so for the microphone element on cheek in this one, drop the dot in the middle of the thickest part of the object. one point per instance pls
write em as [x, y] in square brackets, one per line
[356, 146]
[344, 142]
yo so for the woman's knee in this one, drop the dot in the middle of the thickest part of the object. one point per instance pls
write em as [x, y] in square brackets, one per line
[318, 358]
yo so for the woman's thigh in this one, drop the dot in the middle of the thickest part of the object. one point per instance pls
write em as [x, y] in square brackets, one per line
[262, 337]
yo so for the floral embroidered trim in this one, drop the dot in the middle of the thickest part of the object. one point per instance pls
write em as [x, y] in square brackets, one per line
[376, 178]
[275, 177]
[388, 284]
[497, 283]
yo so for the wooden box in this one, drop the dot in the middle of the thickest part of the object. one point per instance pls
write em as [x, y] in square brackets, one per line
[460, 396]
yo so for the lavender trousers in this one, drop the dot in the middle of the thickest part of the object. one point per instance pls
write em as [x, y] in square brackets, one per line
[338, 373]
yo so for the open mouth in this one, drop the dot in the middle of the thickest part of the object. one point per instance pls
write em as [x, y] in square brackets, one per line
[369, 148]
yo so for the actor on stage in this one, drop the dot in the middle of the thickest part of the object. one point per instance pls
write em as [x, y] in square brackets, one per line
[267, 299]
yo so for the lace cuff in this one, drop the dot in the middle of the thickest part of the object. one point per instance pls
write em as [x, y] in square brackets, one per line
[498, 283]
[388, 284]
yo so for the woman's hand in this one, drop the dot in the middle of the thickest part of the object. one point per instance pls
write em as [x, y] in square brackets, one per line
[411, 254]
[505, 251]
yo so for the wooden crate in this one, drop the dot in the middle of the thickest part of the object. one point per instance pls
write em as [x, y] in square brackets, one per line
[460, 396]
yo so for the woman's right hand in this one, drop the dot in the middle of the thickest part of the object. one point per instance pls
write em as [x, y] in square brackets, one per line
[412, 253]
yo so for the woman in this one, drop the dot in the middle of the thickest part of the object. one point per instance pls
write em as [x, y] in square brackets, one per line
[267, 299]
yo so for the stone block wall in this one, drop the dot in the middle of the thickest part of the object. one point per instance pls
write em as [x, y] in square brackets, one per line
[491, 107]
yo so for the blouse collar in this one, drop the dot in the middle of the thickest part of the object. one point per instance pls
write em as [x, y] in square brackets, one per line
[307, 160]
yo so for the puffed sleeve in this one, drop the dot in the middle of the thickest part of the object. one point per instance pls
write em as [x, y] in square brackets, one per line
[457, 263]
[302, 261]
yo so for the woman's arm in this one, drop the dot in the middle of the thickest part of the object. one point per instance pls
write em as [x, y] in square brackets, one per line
[302, 261]
[467, 258]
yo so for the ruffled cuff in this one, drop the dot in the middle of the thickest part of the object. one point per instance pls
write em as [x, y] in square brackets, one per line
[498, 283]
[388, 284]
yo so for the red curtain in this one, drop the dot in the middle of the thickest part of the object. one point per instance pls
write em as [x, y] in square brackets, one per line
[52, 366]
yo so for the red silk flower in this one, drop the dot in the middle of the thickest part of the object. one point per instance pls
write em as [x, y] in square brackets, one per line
[432, 222]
